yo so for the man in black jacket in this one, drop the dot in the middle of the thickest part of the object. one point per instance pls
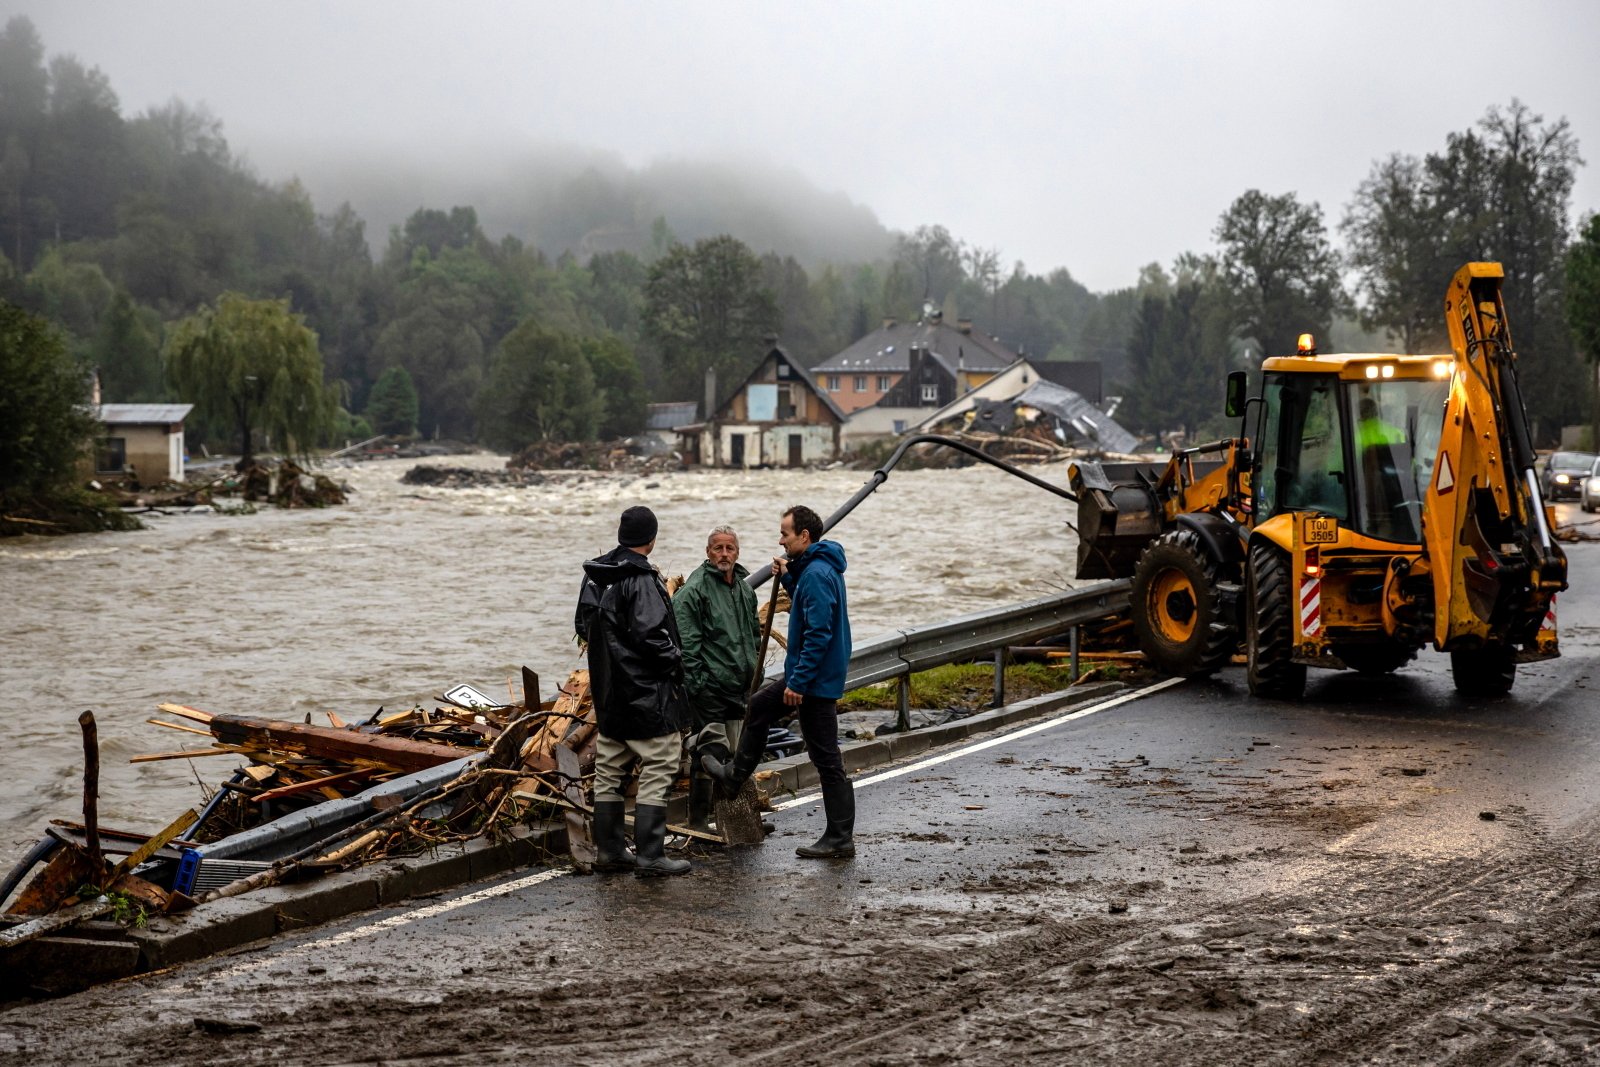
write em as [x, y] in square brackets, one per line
[636, 675]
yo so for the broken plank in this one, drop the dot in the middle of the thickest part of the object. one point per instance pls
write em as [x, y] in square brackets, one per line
[68, 869]
[179, 726]
[184, 711]
[155, 757]
[698, 835]
[314, 784]
[89, 909]
[324, 742]
[152, 846]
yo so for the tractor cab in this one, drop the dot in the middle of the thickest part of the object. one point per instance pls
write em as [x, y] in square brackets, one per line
[1351, 437]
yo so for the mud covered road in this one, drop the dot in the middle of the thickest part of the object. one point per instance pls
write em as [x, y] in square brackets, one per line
[1386, 873]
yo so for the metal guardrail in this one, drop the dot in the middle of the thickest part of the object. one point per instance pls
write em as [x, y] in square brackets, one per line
[902, 652]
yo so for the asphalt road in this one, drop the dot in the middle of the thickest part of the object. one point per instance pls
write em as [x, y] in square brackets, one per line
[1385, 872]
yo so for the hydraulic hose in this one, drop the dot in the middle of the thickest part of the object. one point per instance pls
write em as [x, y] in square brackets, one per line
[881, 475]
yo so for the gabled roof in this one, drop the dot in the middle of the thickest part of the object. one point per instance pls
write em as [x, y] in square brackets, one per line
[799, 371]
[884, 350]
[142, 414]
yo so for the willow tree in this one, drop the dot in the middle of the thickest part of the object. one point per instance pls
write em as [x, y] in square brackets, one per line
[254, 364]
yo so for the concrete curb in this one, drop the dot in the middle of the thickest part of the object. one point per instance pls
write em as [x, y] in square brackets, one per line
[235, 921]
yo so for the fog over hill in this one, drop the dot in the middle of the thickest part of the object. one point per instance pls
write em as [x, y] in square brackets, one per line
[566, 198]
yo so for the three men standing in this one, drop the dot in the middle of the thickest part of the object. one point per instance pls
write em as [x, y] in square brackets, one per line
[716, 615]
[812, 570]
[635, 674]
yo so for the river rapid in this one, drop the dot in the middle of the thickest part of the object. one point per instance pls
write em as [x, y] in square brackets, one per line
[405, 591]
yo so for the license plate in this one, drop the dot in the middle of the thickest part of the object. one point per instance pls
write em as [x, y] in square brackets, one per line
[1321, 530]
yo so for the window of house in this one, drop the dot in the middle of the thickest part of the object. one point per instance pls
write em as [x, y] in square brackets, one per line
[785, 401]
[783, 370]
[861, 383]
[883, 383]
[930, 394]
[833, 383]
[113, 455]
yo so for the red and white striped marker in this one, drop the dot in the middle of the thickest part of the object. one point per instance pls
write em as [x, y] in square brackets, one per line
[1310, 605]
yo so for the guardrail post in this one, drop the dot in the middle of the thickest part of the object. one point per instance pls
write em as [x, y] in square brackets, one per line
[902, 718]
[1001, 655]
[1073, 671]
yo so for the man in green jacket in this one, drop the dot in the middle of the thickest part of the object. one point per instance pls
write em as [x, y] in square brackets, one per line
[716, 615]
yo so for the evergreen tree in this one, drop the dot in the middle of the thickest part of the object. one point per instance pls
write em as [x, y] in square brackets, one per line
[392, 404]
[44, 423]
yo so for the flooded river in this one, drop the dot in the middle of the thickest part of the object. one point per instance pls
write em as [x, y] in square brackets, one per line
[406, 591]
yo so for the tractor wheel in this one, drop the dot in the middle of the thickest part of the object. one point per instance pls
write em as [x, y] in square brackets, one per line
[1177, 607]
[1377, 659]
[1489, 671]
[1269, 628]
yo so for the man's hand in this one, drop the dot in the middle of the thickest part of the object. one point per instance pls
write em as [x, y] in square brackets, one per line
[779, 565]
[791, 698]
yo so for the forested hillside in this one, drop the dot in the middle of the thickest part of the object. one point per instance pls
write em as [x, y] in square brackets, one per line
[570, 292]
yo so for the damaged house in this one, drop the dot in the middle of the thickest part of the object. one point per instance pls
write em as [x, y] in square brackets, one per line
[776, 417]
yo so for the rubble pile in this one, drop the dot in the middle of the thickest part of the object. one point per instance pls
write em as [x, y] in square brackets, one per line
[473, 478]
[623, 455]
[283, 483]
[394, 784]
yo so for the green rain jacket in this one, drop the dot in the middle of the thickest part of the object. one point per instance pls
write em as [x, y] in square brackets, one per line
[717, 623]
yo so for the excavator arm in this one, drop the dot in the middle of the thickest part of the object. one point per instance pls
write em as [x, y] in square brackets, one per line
[1494, 565]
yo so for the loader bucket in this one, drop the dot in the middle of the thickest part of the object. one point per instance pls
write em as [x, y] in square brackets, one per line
[1118, 515]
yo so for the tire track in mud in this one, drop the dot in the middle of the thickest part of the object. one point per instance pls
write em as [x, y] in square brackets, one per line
[1550, 938]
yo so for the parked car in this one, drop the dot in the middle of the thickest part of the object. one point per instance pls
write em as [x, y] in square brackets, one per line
[1589, 494]
[1565, 472]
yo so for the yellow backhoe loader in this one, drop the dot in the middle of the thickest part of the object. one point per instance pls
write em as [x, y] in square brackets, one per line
[1372, 504]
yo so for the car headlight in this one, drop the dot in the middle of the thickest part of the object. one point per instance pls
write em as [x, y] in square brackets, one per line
[1562, 479]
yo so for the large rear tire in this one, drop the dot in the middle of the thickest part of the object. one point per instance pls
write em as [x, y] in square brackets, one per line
[1489, 671]
[1177, 607]
[1269, 628]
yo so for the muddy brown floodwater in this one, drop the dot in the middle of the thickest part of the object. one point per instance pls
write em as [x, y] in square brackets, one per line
[405, 591]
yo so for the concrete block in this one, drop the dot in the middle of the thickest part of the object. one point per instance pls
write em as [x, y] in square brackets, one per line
[803, 777]
[864, 755]
[911, 744]
[331, 897]
[441, 868]
[205, 931]
[527, 847]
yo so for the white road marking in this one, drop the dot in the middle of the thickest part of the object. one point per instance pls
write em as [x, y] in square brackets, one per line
[428, 911]
[1026, 731]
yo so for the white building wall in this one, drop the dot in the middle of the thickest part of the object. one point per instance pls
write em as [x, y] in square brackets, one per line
[816, 444]
[868, 423]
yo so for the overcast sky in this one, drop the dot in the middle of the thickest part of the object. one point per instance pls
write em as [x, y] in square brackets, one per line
[1097, 137]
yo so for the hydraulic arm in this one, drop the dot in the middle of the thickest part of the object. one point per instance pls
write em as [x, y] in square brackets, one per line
[1494, 565]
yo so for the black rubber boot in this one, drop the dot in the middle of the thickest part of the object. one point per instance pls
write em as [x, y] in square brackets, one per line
[701, 789]
[730, 775]
[610, 842]
[649, 842]
[838, 840]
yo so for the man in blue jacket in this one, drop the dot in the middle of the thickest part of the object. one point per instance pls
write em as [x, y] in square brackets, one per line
[812, 570]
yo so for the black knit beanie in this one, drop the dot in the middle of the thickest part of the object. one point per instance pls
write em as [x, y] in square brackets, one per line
[638, 527]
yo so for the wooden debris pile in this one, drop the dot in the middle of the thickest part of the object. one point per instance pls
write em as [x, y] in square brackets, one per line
[528, 758]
